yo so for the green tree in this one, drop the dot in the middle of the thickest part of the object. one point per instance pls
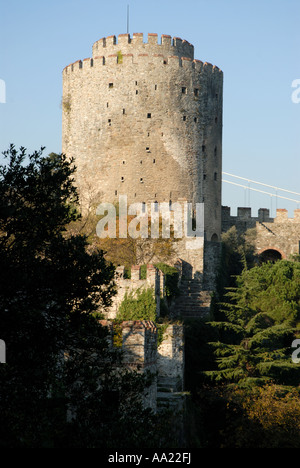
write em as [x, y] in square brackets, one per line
[264, 312]
[58, 387]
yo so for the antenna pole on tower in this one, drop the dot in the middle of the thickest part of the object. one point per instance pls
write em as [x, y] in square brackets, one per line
[127, 19]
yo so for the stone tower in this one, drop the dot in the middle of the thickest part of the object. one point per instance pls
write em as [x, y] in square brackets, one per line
[144, 119]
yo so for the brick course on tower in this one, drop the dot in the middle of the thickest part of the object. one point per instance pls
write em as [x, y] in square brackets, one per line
[144, 119]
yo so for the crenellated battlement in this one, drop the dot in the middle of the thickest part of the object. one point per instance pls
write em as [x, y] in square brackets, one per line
[125, 43]
[152, 278]
[140, 58]
[244, 214]
[275, 238]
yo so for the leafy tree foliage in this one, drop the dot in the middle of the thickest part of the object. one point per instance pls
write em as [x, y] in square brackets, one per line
[58, 387]
[264, 309]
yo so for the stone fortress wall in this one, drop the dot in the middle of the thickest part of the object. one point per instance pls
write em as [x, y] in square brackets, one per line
[140, 350]
[277, 237]
[144, 119]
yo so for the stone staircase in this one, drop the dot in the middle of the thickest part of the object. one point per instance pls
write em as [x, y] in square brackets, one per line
[193, 301]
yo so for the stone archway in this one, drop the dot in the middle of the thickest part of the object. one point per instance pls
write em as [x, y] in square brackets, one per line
[270, 254]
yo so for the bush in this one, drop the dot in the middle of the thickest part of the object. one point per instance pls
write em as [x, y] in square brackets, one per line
[139, 305]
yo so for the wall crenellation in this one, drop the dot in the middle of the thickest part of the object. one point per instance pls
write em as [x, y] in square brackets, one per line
[172, 46]
[129, 58]
[275, 238]
[154, 279]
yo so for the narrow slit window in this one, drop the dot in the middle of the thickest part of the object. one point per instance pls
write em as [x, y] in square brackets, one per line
[122, 179]
[116, 192]
[184, 118]
[155, 87]
[203, 148]
[123, 111]
[109, 122]
[216, 120]
[215, 176]
[153, 161]
[183, 90]
[195, 119]
[196, 92]
[136, 92]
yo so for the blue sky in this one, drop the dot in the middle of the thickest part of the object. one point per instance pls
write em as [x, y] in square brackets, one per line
[255, 43]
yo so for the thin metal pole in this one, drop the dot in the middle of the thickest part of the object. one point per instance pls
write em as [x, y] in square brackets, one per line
[127, 19]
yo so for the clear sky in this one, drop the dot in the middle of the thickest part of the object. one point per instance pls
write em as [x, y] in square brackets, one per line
[255, 42]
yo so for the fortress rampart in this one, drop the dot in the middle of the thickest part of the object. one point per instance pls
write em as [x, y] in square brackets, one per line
[145, 120]
[168, 45]
[279, 235]
[155, 279]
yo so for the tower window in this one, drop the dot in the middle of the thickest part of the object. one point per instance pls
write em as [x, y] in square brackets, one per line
[123, 111]
[215, 151]
[123, 162]
[195, 119]
[215, 176]
[148, 149]
[136, 92]
[153, 161]
[216, 120]
[203, 148]
[184, 118]
[109, 122]
[204, 176]
[116, 192]
[122, 179]
[196, 92]
[183, 90]
[141, 180]
[149, 115]
[155, 87]
[110, 85]
[136, 83]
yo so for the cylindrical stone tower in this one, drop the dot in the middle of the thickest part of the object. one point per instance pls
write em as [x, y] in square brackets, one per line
[144, 119]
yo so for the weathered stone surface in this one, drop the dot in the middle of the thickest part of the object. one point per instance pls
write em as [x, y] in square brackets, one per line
[280, 234]
[145, 120]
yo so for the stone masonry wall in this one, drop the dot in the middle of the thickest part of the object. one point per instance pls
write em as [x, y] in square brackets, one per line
[144, 119]
[280, 234]
[154, 279]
